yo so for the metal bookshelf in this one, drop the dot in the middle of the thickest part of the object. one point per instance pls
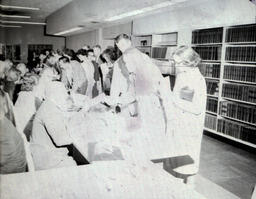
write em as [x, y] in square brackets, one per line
[165, 43]
[239, 101]
[226, 33]
[237, 81]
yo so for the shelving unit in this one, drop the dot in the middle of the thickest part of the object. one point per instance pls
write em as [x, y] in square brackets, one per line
[157, 46]
[229, 60]
[13, 52]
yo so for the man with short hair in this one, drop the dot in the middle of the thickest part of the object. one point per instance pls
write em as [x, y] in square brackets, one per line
[97, 52]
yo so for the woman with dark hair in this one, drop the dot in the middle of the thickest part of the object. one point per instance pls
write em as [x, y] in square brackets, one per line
[40, 64]
[79, 75]
[109, 55]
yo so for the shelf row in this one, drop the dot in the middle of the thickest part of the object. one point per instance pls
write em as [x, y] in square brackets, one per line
[225, 126]
[233, 35]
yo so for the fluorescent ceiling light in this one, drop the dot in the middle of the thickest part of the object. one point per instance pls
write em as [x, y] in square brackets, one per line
[15, 16]
[17, 7]
[69, 31]
[9, 26]
[140, 11]
[23, 22]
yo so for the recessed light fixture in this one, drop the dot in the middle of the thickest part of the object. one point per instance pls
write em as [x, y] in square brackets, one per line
[15, 16]
[144, 10]
[9, 26]
[95, 22]
[69, 30]
[23, 22]
[18, 7]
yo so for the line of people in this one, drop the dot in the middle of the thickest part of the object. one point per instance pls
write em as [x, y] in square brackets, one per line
[25, 88]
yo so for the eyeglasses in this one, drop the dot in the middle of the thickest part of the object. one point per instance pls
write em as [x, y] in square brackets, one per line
[182, 63]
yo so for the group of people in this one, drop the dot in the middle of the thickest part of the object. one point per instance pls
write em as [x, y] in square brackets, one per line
[100, 96]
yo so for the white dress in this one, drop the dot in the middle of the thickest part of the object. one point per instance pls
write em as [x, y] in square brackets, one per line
[190, 113]
[24, 110]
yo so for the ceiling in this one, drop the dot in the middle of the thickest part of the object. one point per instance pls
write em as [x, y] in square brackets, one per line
[46, 7]
[91, 14]
[61, 15]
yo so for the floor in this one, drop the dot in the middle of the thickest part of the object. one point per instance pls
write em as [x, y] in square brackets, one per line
[230, 167]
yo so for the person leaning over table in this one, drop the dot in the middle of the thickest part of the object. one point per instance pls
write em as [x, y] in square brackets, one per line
[80, 82]
[50, 138]
[189, 98]
[26, 105]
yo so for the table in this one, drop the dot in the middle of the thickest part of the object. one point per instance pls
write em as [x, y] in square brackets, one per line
[139, 149]
[103, 127]
[105, 179]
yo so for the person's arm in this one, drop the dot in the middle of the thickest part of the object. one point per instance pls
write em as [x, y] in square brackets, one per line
[56, 128]
[59, 133]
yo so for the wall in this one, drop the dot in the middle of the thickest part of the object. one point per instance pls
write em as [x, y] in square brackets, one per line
[109, 33]
[112, 31]
[100, 36]
[2, 35]
[211, 13]
[76, 42]
[31, 34]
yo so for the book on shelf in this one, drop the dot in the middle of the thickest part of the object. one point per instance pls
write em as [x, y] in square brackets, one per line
[237, 130]
[211, 53]
[159, 52]
[142, 40]
[210, 121]
[204, 36]
[239, 92]
[240, 73]
[212, 87]
[212, 105]
[241, 53]
[163, 52]
[246, 113]
[246, 33]
[209, 70]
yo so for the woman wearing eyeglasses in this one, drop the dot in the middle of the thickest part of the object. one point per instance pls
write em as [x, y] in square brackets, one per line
[189, 98]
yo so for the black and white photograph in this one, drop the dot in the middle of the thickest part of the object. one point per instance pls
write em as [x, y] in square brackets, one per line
[127, 99]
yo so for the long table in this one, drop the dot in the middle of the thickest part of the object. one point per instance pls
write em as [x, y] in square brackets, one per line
[139, 149]
[105, 179]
